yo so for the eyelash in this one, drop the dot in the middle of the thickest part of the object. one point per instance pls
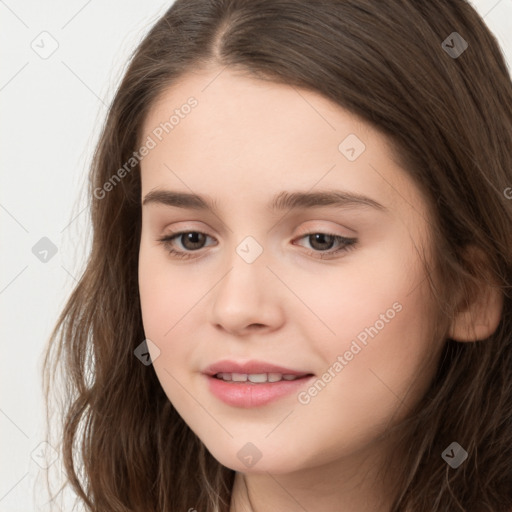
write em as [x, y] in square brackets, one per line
[348, 244]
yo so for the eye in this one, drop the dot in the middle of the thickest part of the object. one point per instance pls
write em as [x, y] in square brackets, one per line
[193, 241]
[323, 242]
[190, 240]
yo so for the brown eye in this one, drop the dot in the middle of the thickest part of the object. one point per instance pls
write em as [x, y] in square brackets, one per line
[191, 240]
[321, 241]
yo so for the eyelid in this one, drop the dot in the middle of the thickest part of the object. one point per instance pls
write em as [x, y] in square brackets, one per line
[348, 243]
[302, 231]
[175, 235]
[320, 227]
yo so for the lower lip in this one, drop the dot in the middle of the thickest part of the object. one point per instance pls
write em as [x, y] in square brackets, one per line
[248, 394]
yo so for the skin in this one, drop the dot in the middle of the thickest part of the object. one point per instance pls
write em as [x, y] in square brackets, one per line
[245, 141]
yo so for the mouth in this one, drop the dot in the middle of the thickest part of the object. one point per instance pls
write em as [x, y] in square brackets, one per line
[258, 378]
[252, 368]
[253, 384]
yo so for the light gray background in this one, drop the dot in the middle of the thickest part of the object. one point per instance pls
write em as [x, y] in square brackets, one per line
[51, 110]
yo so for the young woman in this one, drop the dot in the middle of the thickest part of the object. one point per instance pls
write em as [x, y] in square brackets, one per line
[299, 290]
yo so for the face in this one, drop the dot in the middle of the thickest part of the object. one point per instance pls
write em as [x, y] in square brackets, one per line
[273, 278]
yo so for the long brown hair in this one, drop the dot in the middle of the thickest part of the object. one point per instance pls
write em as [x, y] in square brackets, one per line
[449, 117]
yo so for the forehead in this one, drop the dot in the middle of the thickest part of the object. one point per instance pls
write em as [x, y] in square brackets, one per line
[242, 104]
[246, 136]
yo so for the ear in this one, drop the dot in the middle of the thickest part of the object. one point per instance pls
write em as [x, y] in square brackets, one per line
[477, 316]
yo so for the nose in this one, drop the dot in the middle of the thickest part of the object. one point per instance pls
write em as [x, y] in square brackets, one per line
[247, 299]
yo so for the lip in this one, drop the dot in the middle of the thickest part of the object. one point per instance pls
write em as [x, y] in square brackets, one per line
[226, 366]
[248, 394]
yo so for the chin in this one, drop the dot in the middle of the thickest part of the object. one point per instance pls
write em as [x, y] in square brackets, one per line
[248, 458]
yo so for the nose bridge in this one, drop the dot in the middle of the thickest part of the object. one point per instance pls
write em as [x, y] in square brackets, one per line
[247, 293]
[246, 277]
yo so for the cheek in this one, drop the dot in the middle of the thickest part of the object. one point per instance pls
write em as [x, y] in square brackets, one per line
[164, 297]
[360, 300]
[384, 357]
[376, 382]
[382, 327]
[165, 302]
[155, 295]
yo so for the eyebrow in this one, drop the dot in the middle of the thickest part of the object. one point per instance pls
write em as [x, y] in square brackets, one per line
[281, 201]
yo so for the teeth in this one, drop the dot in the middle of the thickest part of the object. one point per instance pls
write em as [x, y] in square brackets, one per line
[256, 378]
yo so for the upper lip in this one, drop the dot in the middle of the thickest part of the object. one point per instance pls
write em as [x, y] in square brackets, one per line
[250, 367]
